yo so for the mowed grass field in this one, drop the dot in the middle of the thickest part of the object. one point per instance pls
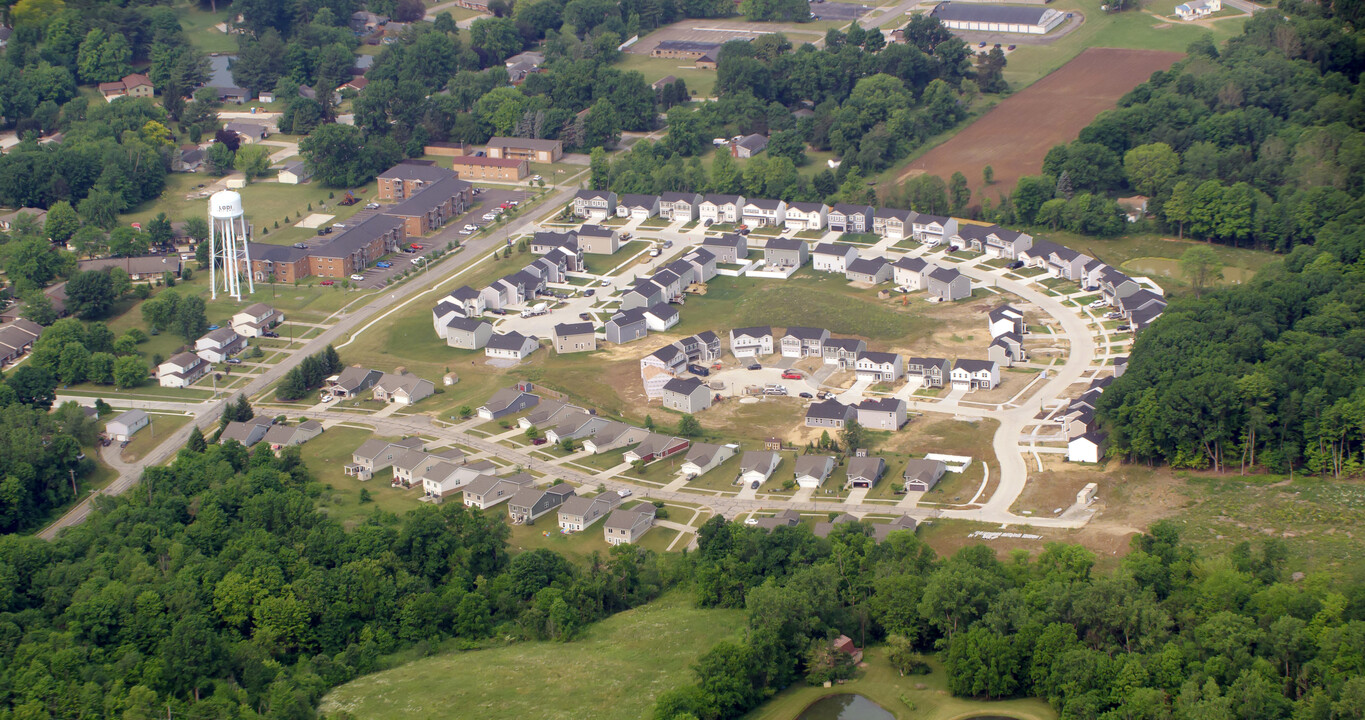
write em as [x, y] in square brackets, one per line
[613, 672]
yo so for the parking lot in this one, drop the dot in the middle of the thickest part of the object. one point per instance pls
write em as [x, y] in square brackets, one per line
[838, 11]
[487, 199]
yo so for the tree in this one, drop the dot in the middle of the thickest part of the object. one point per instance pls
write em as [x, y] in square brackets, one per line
[988, 175]
[191, 318]
[196, 443]
[600, 169]
[688, 426]
[960, 193]
[129, 372]
[1152, 168]
[220, 159]
[852, 436]
[62, 221]
[1201, 266]
[292, 386]
[33, 386]
[38, 308]
[338, 155]
[103, 57]
[253, 161]
[90, 294]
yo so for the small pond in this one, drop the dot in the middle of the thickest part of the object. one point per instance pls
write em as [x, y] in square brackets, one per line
[845, 707]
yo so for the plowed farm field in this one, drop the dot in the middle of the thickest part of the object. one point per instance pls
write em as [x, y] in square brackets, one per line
[1014, 136]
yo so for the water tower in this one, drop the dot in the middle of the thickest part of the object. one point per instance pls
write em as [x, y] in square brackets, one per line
[228, 245]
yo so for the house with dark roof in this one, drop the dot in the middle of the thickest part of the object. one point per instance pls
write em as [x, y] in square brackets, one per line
[832, 257]
[352, 381]
[598, 240]
[681, 206]
[1005, 319]
[575, 337]
[656, 447]
[921, 475]
[847, 218]
[17, 338]
[757, 466]
[843, 351]
[594, 204]
[975, 374]
[992, 240]
[531, 503]
[932, 372]
[218, 345]
[909, 273]
[886, 413]
[510, 345]
[703, 457]
[637, 207]
[627, 326]
[813, 470]
[488, 491]
[628, 526]
[729, 249]
[948, 284]
[873, 271]
[280, 436]
[932, 230]
[751, 342]
[1006, 349]
[661, 317]
[402, 388]
[863, 470]
[829, 414]
[892, 223]
[467, 333]
[784, 518]
[882, 367]
[509, 401]
[782, 252]
[580, 513]
[759, 212]
[614, 435]
[749, 146]
[721, 208]
[799, 342]
[247, 432]
[1087, 448]
[686, 395]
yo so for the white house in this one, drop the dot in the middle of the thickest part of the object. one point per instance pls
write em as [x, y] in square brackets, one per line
[218, 345]
[704, 457]
[751, 342]
[721, 208]
[879, 366]
[181, 370]
[256, 320]
[126, 425]
[832, 257]
[975, 374]
[511, 346]
[813, 470]
[1196, 9]
[1087, 448]
[758, 465]
[807, 215]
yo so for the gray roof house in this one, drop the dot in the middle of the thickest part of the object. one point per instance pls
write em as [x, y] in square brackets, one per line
[948, 284]
[758, 465]
[759, 212]
[807, 215]
[908, 272]
[922, 475]
[843, 352]
[799, 342]
[751, 342]
[892, 223]
[597, 204]
[126, 424]
[881, 413]
[644, 293]
[247, 433]
[749, 146]
[829, 414]
[869, 270]
[575, 337]
[933, 372]
[661, 316]
[628, 526]
[655, 447]
[686, 395]
[374, 455]
[508, 401]
[575, 425]
[627, 326]
[864, 470]
[531, 503]
[352, 381]
[783, 252]
[487, 491]
[785, 518]
[467, 333]
[880, 531]
[879, 366]
[404, 389]
[615, 434]
[679, 206]
[846, 218]
[704, 457]
[1005, 319]
[721, 208]
[813, 470]
[1006, 349]
[279, 436]
[833, 257]
[975, 374]
[578, 513]
[729, 248]
[992, 240]
[511, 345]
[638, 207]
[546, 414]
[823, 529]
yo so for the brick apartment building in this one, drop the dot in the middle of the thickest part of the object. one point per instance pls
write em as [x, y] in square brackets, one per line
[487, 168]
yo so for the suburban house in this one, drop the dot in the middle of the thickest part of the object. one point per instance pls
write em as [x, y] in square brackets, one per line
[823, 529]
[637, 207]
[536, 151]
[892, 223]
[751, 342]
[531, 503]
[644, 293]
[729, 248]
[933, 230]
[615, 434]
[721, 208]
[546, 413]
[975, 374]
[7, 220]
[921, 475]
[411, 466]
[1005, 319]
[686, 395]
[1197, 9]
[578, 513]
[868, 270]
[832, 257]
[256, 319]
[1006, 349]
[881, 531]
[126, 424]
[879, 366]
[684, 206]
[575, 337]
[487, 491]
[785, 518]
[829, 413]
[1087, 448]
[666, 362]
[598, 240]
[140, 268]
[881, 413]
[509, 401]
[181, 370]
[247, 433]
[575, 425]
[279, 436]
[134, 85]
[543, 242]
[352, 381]
[512, 345]
[864, 470]
[248, 132]
[908, 272]
[656, 447]
[595, 204]
[404, 389]
[374, 455]
[807, 215]
[748, 146]
[846, 218]
[628, 526]
[627, 326]
[813, 470]
[661, 317]
[843, 352]
[467, 333]
[295, 173]
[783, 252]
[763, 213]
[757, 466]
[799, 342]
[948, 284]
[705, 457]
[218, 345]
[992, 240]
[932, 372]
[17, 338]
[445, 479]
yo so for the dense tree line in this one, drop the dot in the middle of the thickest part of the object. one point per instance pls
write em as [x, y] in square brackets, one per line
[75, 353]
[218, 591]
[1259, 143]
[1267, 374]
[309, 374]
[1167, 635]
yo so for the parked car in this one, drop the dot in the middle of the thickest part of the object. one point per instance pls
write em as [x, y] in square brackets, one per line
[416, 246]
[471, 227]
[696, 369]
[383, 264]
[655, 252]
[707, 223]
[328, 282]
[1123, 328]
[371, 206]
[584, 316]
[233, 361]
[753, 485]
[792, 375]
[538, 441]
[805, 395]
[755, 366]
[589, 292]
[497, 311]
[626, 236]
[1010, 47]
[1016, 264]
[357, 276]
[213, 327]
[668, 244]
[624, 493]
[410, 251]
[269, 334]
[466, 231]
[1097, 304]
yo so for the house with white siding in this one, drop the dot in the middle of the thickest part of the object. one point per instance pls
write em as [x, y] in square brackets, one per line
[832, 257]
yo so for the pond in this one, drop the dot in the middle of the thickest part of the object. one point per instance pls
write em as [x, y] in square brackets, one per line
[845, 707]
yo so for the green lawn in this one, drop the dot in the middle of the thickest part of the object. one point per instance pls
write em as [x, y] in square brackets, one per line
[1157, 257]
[613, 672]
[700, 83]
[340, 499]
[198, 26]
[602, 264]
[162, 426]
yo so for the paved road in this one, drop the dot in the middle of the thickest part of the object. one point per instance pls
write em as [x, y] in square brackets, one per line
[207, 414]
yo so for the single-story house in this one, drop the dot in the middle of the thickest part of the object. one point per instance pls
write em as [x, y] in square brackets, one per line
[404, 389]
[922, 475]
[1088, 448]
[757, 465]
[126, 424]
[656, 447]
[247, 433]
[864, 470]
[813, 470]
[704, 457]
[279, 436]
[509, 401]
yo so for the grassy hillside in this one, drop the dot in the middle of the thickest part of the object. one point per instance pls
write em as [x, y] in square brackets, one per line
[613, 672]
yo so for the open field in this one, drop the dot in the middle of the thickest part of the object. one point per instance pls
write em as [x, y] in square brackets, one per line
[883, 685]
[1015, 135]
[700, 83]
[613, 672]
[198, 26]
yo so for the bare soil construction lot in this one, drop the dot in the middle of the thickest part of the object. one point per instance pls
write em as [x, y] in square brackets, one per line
[1015, 135]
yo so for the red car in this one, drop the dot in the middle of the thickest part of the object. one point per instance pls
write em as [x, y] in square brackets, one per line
[415, 246]
[328, 282]
[504, 206]
[792, 375]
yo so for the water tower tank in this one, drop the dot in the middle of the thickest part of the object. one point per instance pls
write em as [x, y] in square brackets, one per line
[225, 204]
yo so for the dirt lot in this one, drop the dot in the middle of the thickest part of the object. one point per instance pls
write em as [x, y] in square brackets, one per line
[1015, 135]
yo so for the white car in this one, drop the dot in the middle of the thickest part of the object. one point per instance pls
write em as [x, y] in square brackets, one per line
[466, 232]
[535, 177]
[357, 277]
[419, 260]
[1098, 304]
[489, 216]
[624, 493]
[471, 228]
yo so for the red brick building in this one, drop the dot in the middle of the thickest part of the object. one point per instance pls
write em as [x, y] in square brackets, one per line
[487, 168]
